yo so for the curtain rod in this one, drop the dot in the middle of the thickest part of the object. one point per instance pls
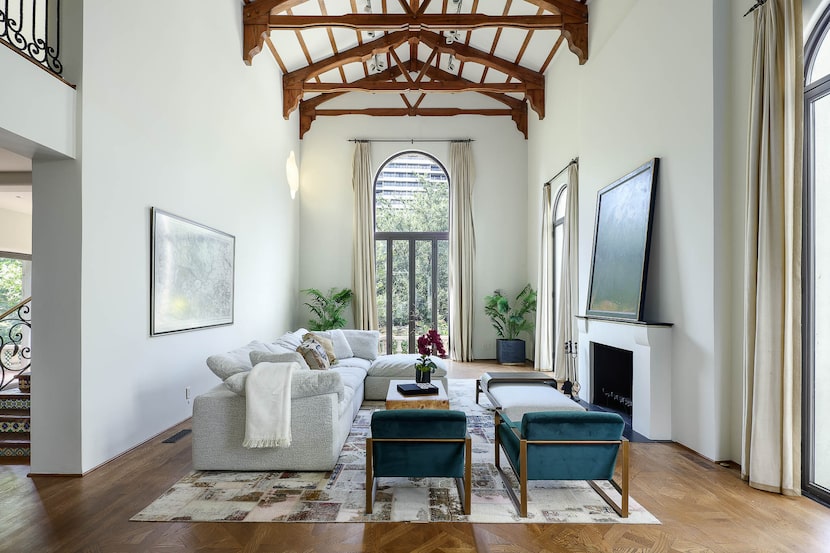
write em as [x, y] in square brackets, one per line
[411, 140]
[565, 168]
[757, 5]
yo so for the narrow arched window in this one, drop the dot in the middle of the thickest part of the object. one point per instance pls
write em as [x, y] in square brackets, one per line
[816, 266]
[559, 204]
[412, 249]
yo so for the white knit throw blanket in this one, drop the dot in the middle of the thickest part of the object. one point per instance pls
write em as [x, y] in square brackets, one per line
[268, 406]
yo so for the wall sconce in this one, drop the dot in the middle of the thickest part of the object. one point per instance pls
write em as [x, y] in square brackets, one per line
[292, 173]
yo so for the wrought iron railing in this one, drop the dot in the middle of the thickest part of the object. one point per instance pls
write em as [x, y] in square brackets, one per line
[33, 28]
[15, 342]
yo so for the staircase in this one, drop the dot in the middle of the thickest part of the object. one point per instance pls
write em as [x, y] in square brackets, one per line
[15, 382]
[15, 409]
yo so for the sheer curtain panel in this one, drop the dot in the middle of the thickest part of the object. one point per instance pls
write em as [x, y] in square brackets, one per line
[543, 357]
[363, 258]
[772, 304]
[566, 331]
[462, 251]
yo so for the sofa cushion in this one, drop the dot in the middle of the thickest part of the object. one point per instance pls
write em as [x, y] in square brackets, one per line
[358, 362]
[289, 356]
[352, 377]
[303, 383]
[325, 342]
[314, 354]
[224, 365]
[364, 343]
[342, 349]
[402, 365]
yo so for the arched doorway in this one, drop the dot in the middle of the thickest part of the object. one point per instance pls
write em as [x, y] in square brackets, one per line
[412, 249]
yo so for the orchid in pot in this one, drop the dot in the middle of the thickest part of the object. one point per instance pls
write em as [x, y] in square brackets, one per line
[429, 345]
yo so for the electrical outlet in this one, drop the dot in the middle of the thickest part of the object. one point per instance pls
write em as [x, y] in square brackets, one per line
[187, 393]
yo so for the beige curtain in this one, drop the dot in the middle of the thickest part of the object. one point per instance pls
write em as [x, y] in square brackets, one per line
[543, 356]
[566, 332]
[363, 234]
[462, 251]
[772, 314]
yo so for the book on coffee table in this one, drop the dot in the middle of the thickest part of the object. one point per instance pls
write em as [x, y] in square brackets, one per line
[417, 389]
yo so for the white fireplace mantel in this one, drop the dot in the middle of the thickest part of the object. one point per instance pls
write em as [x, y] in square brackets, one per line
[651, 347]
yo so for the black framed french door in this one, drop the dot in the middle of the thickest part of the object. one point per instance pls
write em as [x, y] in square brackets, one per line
[412, 282]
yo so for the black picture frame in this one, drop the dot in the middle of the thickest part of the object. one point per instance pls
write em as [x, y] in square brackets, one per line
[191, 275]
[622, 243]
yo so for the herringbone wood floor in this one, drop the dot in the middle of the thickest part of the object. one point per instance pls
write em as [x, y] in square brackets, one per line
[703, 507]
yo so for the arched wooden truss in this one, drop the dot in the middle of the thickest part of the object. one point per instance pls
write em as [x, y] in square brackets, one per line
[410, 37]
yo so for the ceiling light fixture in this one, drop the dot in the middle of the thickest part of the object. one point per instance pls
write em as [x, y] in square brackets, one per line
[455, 35]
[451, 63]
[368, 9]
[377, 64]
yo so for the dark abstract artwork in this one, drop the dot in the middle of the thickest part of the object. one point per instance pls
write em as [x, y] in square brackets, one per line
[621, 245]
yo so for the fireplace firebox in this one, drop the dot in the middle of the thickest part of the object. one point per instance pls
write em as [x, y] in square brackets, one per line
[613, 378]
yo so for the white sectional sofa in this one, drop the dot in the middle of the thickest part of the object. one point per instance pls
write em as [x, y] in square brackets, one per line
[323, 403]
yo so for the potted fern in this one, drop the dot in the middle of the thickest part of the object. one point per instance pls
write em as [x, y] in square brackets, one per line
[327, 308]
[510, 321]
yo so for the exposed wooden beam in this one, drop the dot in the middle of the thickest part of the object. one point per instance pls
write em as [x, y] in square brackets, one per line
[435, 22]
[518, 108]
[308, 107]
[535, 81]
[576, 33]
[468, 53]
[292, 83]
[413, 112]
[453, 86]
[573, 8]
[255, 24]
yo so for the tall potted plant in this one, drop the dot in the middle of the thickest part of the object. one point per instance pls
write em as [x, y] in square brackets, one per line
[327, 308]
[510, 322]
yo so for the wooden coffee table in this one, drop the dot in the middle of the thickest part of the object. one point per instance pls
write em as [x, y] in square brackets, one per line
[396, 400]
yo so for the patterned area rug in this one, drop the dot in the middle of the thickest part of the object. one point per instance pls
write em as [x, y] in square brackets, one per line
[339, 495]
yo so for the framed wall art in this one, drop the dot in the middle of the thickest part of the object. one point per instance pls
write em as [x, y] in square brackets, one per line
[622, 237]
[191, 275]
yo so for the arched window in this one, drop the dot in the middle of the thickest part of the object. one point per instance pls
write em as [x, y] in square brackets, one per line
[412, 224]
[816, 266]
[559, 204]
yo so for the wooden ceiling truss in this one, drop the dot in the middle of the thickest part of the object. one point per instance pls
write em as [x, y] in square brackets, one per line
[522, 86]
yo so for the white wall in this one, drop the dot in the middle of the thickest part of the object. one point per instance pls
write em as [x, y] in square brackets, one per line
[181, 123]
[15, 232]
[499, 204]
[37, 110]
[649, 89]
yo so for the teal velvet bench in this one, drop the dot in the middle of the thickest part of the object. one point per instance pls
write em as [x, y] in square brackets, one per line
[564, 445]
[419, 443]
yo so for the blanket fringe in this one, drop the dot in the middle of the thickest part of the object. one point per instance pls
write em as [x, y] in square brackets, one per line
[271, 442]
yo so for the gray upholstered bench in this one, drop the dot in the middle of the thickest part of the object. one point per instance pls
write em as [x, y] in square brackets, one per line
[517, 393]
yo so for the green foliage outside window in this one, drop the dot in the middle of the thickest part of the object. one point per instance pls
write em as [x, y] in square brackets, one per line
[11, 288]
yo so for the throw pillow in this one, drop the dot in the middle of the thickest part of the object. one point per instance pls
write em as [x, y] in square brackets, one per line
[325, 342]
[342, 349]
[224, 365]
[364, 343]
[291, 340]
[266, 357]
[236, 382]
[314, 354]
